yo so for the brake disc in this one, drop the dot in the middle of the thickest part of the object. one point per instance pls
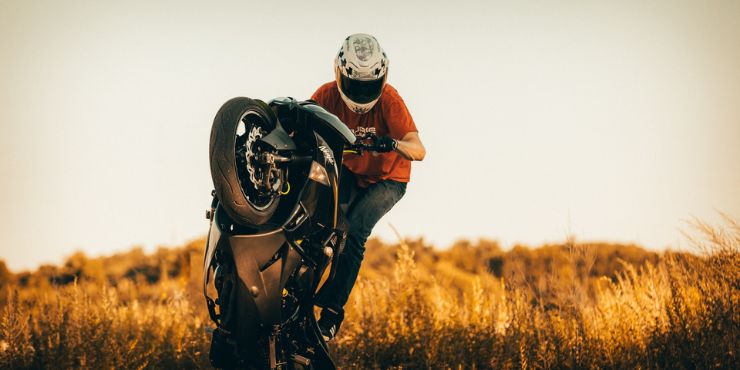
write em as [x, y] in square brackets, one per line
[254, 134]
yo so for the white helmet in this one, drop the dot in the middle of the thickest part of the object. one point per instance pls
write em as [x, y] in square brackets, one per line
[361, 70]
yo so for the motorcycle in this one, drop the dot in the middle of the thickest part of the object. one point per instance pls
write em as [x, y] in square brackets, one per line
[276, 230]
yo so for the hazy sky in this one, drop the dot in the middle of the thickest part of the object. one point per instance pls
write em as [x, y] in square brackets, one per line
[615, 122]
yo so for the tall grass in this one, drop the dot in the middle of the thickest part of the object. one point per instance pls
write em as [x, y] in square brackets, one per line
[677, 314]
[423, 311]
[70, 328]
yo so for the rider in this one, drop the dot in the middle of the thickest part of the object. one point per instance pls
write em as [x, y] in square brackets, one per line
[373, 182]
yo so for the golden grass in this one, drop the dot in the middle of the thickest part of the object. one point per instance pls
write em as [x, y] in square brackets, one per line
[71, 328]
[427, 311]
[678, 313]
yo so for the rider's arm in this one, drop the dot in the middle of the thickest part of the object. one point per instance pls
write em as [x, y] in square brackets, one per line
[410, 147]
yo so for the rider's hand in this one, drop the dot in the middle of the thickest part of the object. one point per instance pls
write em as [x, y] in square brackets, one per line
[384, 144]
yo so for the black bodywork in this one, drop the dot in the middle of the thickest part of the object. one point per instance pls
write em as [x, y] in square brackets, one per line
[266, 276]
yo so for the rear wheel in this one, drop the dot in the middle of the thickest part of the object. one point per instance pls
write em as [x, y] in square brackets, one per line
[247, 189]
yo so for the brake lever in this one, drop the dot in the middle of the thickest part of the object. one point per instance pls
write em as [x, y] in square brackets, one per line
[357, 149]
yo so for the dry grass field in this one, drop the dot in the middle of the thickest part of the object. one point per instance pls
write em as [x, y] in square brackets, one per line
[473, 306]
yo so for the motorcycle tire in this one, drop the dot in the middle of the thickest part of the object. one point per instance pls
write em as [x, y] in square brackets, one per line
[224, 172]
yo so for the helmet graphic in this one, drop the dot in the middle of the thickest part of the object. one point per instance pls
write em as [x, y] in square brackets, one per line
[361, 70]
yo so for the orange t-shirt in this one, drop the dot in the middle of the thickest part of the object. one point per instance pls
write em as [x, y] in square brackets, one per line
[389, 116]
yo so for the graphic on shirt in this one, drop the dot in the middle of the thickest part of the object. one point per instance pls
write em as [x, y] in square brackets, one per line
[361, 131]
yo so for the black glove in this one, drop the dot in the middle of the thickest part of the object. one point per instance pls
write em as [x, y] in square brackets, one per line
[384, 144]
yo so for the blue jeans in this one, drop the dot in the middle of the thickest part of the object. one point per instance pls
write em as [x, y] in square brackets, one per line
[365, 207]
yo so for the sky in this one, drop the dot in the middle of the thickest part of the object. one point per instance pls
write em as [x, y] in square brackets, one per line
[613, 121]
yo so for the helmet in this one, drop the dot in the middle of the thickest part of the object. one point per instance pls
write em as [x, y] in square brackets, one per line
[361, 69]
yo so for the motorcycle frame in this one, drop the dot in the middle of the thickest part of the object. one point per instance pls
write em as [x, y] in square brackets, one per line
[311, 234]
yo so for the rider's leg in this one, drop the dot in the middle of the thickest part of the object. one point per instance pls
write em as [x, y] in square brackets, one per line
[366, 210]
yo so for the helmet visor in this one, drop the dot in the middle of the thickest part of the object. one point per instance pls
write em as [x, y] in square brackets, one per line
[361, 92]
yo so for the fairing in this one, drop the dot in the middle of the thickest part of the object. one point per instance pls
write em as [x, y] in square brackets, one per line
[265, 260]
[261, 278]
[326, 124]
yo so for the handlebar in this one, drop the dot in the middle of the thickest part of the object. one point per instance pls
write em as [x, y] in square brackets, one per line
[359, 147]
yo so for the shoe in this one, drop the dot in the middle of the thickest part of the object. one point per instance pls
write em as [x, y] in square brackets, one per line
[330, 322]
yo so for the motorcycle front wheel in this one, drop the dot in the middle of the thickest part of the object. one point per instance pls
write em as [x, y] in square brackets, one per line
[236, 128]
